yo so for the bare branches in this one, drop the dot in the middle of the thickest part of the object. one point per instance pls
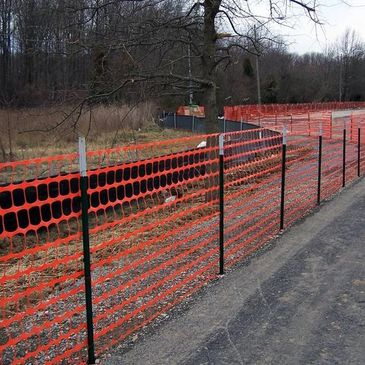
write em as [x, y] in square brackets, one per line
[112, 49]
[307, 7]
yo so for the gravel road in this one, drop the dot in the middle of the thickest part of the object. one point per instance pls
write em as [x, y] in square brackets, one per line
[302, 301]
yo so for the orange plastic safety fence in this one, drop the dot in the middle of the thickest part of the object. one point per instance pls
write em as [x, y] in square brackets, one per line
[249, 112]
[144, 200]
[252, 190]
[301, 178]
[154, 225]
[154, 230]
[41, 271]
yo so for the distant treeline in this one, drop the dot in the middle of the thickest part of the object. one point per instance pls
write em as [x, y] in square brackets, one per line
[59, 51]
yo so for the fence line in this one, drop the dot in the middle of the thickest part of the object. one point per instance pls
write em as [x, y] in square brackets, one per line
[88, 259]
[250, 112]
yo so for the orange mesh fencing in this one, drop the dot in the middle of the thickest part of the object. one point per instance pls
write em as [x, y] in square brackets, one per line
[301, 178]
[41, 300]
[136, 195]
[154, 235]
[249, 112]
[309, 124]
[333, 164]
[153, 226]
[252, 189]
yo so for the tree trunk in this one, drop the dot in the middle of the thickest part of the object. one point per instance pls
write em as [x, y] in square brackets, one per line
[211, 109]
[211, 8]
[6, 47]
[10, 138]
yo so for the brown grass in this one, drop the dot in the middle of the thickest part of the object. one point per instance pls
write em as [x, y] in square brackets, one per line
[31, 133]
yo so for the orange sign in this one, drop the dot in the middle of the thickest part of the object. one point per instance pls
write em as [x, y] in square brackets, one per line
[191, 110]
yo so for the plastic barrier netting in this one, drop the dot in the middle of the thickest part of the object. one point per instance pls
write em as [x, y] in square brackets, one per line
[41, 279]
[154, 232]
[252, 189]
[248, 112]
[154, 225]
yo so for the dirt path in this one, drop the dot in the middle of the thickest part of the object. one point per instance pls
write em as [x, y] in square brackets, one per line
[302, 302]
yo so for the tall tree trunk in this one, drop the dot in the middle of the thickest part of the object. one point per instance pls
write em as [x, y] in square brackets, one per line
[5, 39]
[211, 8]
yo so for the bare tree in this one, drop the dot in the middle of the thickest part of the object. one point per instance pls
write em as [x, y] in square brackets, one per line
[349, 50]
[6, 14]
[212, 29]
[94, 51]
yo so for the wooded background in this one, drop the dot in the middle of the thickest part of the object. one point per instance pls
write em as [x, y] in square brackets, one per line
[54, 51]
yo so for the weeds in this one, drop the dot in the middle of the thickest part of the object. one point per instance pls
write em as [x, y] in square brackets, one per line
[30, 133]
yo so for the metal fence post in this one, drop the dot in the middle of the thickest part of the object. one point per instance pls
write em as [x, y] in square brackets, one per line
[175, 126]
[319, 165]
[192, 124]
[221, 204]
[86, 249]
[358, 152]
[344, 159]
[283, 166]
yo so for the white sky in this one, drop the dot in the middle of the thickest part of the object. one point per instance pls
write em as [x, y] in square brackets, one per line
[336, 16]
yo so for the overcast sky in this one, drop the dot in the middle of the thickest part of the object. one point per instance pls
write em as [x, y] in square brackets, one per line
[336, 16]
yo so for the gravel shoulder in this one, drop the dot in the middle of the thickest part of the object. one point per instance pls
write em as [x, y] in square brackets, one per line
[300, 302]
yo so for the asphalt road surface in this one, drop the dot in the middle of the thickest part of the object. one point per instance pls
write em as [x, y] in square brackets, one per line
[300, 302]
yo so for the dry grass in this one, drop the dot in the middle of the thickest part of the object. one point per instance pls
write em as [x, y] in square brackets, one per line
[31, 133]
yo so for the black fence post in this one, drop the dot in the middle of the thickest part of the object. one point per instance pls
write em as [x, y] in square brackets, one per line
[319, 166]
[344, 159]
[221, 204]
[283, 166]
[358, 152]
[86, 250]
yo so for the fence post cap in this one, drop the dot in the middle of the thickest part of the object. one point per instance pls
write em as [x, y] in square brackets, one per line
[221, 144]
[284, 135]
[82, 156]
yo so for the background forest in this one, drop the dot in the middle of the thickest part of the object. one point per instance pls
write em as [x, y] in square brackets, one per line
[59, 51]
[90, 66]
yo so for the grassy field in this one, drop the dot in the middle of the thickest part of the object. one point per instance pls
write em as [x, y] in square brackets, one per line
[31, 133]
